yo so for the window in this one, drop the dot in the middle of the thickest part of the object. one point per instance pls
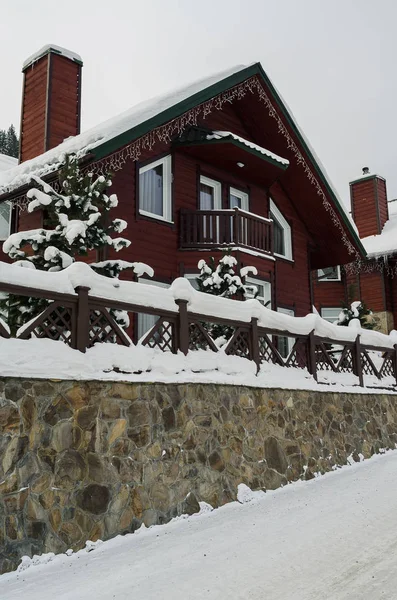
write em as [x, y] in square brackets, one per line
[281, 233]
[284, 343]
[264, 289]
[238, 199]
[146, 322]
[329, 274]
[5, 220]
[210, 194]
[192, 279]
[330, 314]
[155, 189]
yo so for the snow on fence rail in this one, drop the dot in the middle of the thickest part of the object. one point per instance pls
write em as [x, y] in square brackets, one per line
[79, 314]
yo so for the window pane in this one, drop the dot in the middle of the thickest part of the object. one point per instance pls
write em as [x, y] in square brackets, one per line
[278, 234]
[330, 314]
[5, 214]
[328, 273]
[151, 191]
[235, 201]
[207, 197]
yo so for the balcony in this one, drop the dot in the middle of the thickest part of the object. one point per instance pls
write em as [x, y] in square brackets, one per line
[210, 229]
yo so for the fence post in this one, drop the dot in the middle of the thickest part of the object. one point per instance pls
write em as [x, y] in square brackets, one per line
[395, 362]
[182, 327]
[357, 365]
[82, 319]
[236, 219]
[312, 362]
[254, 343]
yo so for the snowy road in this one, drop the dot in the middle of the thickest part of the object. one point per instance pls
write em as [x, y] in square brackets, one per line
[332, 538]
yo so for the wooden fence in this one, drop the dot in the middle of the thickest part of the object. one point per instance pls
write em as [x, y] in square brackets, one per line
[81, 320]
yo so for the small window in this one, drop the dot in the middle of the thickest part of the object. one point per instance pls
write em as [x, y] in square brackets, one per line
[210, 194]
[238, 199]
[329, 274]
[330, 314]
[264, 291]
[146, 322]
[192, 279]
[281, 233]
[5, 220]
[284, 343]
[155, 189]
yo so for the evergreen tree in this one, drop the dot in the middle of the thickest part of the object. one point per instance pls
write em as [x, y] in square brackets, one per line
[9, 142]
[356, 310]
[12, 144]
[222, 280]
[76, 221]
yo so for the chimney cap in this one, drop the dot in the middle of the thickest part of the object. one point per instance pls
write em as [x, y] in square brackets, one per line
[55, 50]
[365, 170]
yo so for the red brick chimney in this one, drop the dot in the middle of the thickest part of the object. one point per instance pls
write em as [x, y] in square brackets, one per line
[50, 100]
[368, 197]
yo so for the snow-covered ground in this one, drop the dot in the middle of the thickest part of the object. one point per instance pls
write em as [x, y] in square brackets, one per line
[331, 538]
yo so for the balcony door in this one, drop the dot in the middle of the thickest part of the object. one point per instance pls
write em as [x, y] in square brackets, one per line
[210, 199]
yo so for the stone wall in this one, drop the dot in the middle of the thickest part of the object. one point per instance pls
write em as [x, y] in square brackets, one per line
[88, 461]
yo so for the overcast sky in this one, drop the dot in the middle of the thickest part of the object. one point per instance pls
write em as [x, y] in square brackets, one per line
[334, 62]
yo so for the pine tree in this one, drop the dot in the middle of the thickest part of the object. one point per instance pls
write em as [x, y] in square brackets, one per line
[356, 310]
[12, 144]
[76, 221]
[222, 280]
[9, 142]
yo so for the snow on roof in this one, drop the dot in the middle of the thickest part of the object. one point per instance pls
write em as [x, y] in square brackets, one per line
[7, 162]
[85, 142]
[217, 135]
[385, 243]
[365, 176]
[51, 48]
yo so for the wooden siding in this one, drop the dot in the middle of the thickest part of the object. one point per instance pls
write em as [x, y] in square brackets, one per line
[64, 107]
[328, 294]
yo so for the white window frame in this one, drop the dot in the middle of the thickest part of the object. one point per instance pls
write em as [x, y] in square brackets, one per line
[217, 187]
[2, 239]
[266, 299]
[167, 189]
[243, 197]
[281, 220]
[328, 308]
[290, 340]
[321, 277]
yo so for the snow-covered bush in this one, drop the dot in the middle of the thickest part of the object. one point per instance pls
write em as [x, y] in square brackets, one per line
[356, 312]
[222, 280]
[75, 222]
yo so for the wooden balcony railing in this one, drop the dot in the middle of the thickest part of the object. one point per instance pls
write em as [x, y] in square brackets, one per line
[215, 228]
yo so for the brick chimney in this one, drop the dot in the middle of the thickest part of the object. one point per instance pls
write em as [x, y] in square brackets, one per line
[50, 100]
[368, 197]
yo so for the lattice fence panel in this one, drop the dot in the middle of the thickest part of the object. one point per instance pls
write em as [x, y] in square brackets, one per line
[239, 344]
[324, 361]
[101, 329]
[345, 363]
[162, 336]
[268, 352]
[298, 355]
[368, 366]
[387, 368]
[54, 323]
[199, 338]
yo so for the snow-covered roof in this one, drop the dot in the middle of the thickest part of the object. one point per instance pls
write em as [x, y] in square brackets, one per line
[385, 243]
[365, 176]
[89, 140]
[7, 162]
[51, 48]
[218, 135]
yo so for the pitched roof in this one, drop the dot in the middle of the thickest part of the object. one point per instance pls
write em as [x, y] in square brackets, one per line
[7, 162]
[111, 135]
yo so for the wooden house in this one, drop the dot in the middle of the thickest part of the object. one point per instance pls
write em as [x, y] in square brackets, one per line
[218, 164]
